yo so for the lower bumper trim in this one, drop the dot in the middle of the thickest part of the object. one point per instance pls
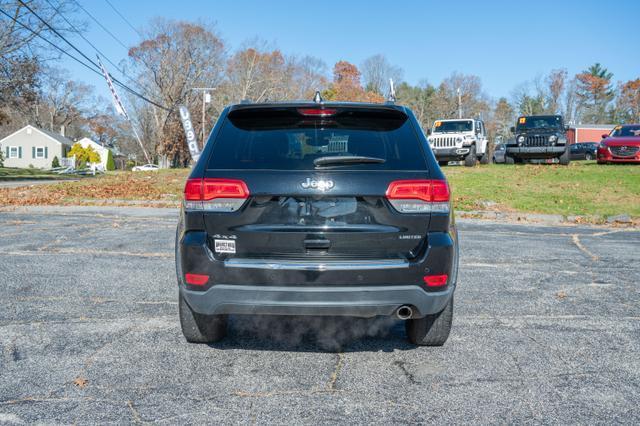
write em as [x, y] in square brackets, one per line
[358, 301]
[316, 266]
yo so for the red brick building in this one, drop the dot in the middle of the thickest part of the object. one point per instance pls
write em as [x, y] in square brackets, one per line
[588, 132]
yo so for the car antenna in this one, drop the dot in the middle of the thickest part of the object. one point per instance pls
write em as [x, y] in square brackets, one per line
[317, 98]
[391, 99]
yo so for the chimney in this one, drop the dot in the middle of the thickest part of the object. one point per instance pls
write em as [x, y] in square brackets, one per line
[62, 130]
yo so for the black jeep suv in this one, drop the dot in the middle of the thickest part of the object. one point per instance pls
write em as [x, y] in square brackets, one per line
[538, 137]
[317, 209]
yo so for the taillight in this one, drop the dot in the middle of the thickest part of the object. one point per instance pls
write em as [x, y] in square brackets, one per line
[317, 112]
[419, 196]
[196, 279]
[436, 280]
[216, 195]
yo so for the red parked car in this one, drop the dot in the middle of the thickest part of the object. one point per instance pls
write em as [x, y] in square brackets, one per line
[622, 145]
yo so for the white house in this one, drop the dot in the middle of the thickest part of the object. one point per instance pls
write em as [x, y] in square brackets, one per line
[31, 146]
[104, 152]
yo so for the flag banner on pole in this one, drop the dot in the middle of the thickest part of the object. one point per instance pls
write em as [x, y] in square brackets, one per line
[189, 132]
[116, 99]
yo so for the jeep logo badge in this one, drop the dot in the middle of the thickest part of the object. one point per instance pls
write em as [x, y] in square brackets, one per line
[322, 185]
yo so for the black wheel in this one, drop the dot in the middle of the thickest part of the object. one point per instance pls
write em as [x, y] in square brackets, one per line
[198, 328]
[588, 156]
[509, 159]
[485, 158]
[564, 158]
[470, 160]
[443, 163]
[432, 330]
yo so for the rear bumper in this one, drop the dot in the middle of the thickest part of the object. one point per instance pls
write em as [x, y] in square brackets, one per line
[451, 154]
[536, 151]
[364, 301]
[348, 288]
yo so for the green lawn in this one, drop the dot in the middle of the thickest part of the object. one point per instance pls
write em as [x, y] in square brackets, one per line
[9, 173]
[582, 188]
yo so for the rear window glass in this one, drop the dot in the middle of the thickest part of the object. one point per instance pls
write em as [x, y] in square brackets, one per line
[284, 139]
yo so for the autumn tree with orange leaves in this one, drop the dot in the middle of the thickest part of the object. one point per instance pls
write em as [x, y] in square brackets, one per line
[346, 85]
[595, 92]
[628, 103]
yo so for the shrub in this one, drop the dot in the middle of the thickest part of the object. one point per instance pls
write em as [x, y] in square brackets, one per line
[55, 162]
[111, 165]
[1, 159]
[130, 164]
[83, 155]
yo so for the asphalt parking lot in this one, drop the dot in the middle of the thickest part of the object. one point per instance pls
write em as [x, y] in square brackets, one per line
[546, 330]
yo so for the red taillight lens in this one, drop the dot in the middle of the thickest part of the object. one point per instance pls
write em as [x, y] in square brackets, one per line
[193, 190]
[317, 112]
[419, 196]
[196, 279]
[436, 280]
[224, 188]
[224, 195]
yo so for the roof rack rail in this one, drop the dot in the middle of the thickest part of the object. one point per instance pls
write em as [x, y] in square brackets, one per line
[246, 101]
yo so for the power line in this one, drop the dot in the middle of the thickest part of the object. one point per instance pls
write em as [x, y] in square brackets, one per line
[124, 19]
[117, 67]
[50, 42]
[82, 36]
[118, 82]
[101, 26]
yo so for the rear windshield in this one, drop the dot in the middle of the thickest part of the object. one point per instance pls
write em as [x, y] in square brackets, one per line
[284, 139]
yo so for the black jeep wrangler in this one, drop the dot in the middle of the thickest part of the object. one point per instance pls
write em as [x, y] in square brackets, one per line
[538, 137]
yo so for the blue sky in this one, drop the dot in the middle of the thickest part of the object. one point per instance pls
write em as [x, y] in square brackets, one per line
[503, 42]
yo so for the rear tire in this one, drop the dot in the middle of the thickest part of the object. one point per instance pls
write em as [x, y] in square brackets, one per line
[470, 160]
[485, 158]
[443, 163]
[509, 159]
[565, 159]
[198, 328]
[432, 330]
[588, 156]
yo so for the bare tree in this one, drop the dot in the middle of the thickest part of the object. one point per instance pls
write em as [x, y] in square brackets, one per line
[376, 71]
[175, 57]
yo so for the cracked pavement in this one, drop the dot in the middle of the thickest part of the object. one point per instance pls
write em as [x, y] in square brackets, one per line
[546, 330]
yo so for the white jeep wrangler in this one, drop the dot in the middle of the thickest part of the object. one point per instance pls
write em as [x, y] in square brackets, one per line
[460, 139]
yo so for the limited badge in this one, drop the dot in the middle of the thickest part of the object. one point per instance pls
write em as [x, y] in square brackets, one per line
[224, 246]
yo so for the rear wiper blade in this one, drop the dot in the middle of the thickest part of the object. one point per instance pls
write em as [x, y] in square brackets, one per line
[346, 159]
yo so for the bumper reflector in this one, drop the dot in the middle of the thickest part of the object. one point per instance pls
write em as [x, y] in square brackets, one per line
[196, 279]
[436, 280]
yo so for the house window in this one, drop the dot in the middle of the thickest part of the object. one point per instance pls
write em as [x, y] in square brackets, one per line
[40, 152]
[13, 152]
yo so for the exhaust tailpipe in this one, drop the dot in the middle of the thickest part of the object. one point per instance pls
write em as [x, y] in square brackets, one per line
[404, 312]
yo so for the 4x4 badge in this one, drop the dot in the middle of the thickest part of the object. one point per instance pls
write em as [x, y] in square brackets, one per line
[322, 185]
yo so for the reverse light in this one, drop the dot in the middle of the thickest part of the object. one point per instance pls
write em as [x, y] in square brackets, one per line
[215, 195]
[419, 196]
[196, 279]
[317, 112]
[435, 280]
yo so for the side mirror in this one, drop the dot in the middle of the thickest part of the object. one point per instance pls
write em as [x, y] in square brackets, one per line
[513, 129]
[428, 132]
[605, 136]
[566, 127]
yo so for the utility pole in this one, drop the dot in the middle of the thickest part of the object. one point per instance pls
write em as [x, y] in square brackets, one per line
[206, 99]
[459, 104]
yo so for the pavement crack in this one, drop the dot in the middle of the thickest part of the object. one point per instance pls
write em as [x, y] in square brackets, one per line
[403, 367]
[134, 413]
[331, 385]
[576, 240]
